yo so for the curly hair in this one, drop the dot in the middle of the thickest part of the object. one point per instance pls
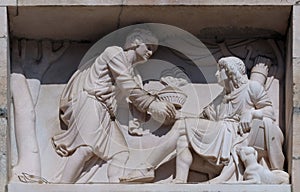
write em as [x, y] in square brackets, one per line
[139, 36]
[235, 69]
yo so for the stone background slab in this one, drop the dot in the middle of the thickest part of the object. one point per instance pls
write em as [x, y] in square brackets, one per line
[3, 97]
[296, 80]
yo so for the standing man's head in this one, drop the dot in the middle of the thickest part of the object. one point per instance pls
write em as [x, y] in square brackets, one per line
[143, 42]
[139, 36]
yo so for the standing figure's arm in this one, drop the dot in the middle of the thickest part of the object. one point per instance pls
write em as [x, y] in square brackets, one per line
[122, 73]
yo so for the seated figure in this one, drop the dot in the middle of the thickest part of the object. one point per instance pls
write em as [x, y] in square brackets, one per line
[227, 122]
[220, 130]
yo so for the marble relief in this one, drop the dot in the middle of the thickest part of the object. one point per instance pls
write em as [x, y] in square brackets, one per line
[30, 61]
[137, 106]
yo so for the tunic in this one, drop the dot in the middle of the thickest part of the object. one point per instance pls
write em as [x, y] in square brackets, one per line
[88, 105]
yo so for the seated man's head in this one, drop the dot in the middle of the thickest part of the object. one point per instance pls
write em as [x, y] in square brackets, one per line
[231, 69]
[143, 42]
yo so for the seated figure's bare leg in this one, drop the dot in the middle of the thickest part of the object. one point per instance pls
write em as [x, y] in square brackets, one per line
[184, 160]
[75, 164]
[116, 167]
[145, 171]
[167, 146]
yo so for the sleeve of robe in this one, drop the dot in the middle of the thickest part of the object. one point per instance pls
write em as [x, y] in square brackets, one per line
[122, 73]
[210, 111]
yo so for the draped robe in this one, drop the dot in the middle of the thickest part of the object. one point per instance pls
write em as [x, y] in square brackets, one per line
[88, 105]
[216, 137]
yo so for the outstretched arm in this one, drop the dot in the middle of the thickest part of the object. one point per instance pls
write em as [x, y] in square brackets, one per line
[122, 73]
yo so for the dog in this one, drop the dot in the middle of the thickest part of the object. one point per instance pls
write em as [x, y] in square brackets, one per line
[256, 173]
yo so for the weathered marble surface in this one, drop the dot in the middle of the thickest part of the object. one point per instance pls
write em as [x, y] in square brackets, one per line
[296, 129]
[8, 3]
[156, 2]
[43, 122]
[295, 152]
[222, 17]
[48, 125]
[149, 188]
[3, 97]
[296, 31]
[296, 62]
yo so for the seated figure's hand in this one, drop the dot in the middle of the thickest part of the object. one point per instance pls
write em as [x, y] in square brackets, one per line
[162, 111]
[245, 122]
[209, 113]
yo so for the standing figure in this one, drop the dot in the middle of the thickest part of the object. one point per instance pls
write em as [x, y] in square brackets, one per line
[88, 107]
